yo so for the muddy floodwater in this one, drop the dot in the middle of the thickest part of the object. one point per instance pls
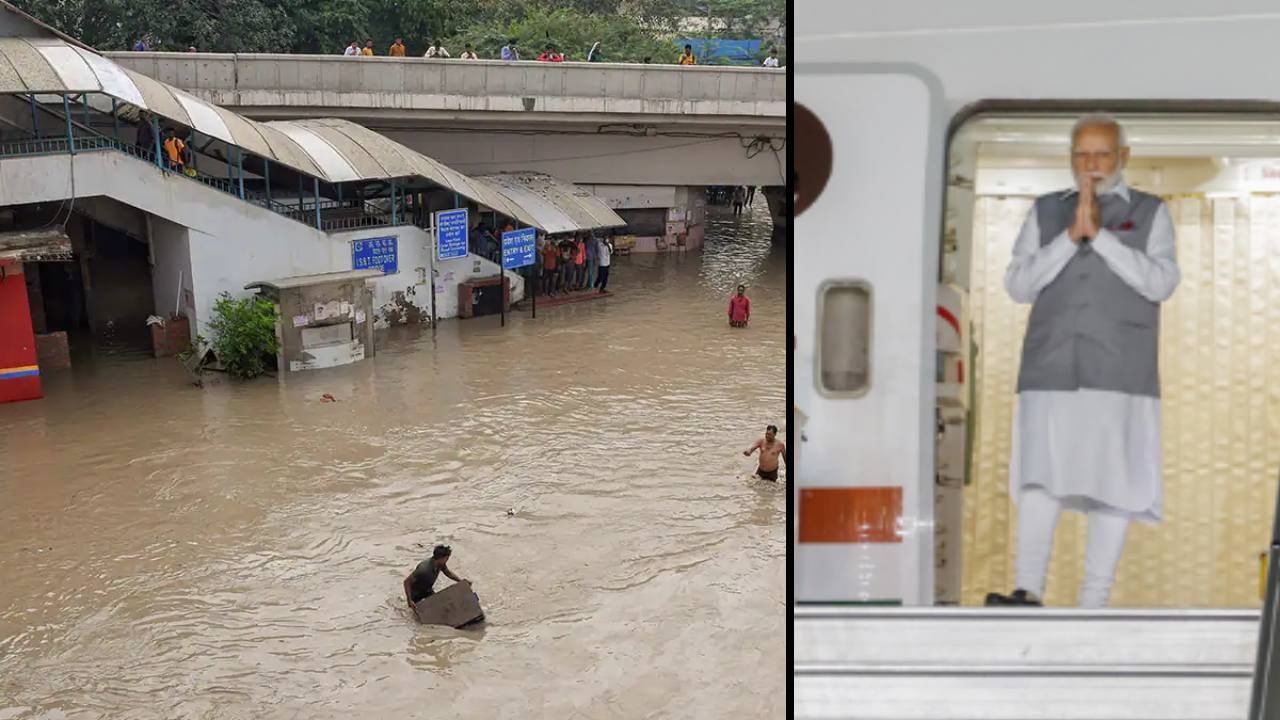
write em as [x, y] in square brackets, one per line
[238, 551]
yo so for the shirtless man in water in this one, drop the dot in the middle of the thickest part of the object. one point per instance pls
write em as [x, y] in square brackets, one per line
[771, 448]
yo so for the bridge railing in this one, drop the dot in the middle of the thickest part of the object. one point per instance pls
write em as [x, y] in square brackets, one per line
[250, 79]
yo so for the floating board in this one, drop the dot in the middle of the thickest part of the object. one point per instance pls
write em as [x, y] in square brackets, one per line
[455, 606]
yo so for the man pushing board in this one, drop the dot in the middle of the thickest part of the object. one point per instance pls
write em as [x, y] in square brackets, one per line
[454, 606]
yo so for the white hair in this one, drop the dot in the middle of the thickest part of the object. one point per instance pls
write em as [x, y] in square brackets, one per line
[1100, 119]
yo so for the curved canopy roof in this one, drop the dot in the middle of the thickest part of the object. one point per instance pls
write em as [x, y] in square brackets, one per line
[332, 150]
[354, 152]
[559, 206]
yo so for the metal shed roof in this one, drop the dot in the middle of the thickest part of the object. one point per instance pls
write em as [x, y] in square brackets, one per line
[333, 150]
[298, 281]
[361, 153]
[557, 206]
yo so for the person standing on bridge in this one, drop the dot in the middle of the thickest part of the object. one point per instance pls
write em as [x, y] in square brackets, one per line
[549, 54]
[772, 60]
[368, 48]
[353, 50]
[174, 150]
[1094, 262]
[436, 50]
[509, 51]
[687, 57]
[397, 48]
[468, 53]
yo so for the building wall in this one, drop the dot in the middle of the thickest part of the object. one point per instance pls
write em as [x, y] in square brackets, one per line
[230, 243]
[992, 49]
[405, 296]
[171, 265]
[657, 215]
[238, 257]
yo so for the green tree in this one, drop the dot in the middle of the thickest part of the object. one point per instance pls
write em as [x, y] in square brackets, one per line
[733, 19]
[629, 30]
[621, 39]
[214, 25]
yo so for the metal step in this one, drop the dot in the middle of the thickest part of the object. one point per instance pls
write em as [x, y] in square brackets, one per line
[966, 664]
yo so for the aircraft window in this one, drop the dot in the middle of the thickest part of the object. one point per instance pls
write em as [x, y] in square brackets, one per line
[844, 332]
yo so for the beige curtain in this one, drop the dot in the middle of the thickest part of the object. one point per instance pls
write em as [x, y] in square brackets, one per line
[1221, 378]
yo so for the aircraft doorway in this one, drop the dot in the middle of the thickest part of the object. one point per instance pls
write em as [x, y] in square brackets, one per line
[1220, 177]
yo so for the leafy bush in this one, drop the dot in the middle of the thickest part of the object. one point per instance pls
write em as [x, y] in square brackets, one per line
[244, 335]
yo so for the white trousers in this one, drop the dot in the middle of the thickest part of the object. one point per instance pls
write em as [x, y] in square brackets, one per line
[1038, 513]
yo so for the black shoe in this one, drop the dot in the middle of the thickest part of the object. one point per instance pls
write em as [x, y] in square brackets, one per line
[1019, 598]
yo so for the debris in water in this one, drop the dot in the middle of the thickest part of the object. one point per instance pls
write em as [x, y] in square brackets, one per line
[511, 512]
[328, 398]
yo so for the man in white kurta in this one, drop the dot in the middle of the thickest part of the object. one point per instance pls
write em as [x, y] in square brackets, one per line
[1095, 262]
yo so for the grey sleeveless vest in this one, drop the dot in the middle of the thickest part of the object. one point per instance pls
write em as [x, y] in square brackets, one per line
[1088, 329]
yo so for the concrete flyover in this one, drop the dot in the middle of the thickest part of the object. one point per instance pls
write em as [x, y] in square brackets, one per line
[593, 123]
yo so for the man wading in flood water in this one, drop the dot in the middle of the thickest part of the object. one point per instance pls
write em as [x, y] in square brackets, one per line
[739, 308]
[771, 448]
[421, 582]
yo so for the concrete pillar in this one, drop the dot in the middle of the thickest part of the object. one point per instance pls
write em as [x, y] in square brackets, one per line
[82, 246]
[19, 371]
[686, 221]
[35, 297]
[779, 210]
[659, 218]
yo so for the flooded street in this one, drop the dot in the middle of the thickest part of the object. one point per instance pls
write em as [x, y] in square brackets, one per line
[238, 551]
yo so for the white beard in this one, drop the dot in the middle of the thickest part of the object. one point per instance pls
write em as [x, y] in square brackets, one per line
[1102, 185]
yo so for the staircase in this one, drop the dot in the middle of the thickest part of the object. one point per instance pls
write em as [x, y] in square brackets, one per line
[977, 664]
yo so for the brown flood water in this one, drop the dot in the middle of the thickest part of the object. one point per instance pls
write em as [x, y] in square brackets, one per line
[238, 551]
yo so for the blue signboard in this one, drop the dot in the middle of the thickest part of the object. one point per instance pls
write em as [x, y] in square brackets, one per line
[380, 252]
[451, 234]
[518, 248]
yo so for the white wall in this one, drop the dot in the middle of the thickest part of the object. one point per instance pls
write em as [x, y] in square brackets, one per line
[230, 243]
[410, 282]
[171, 258]
[1086, 50]
[240, 256]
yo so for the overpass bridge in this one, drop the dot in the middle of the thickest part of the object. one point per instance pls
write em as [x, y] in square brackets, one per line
[621, 126]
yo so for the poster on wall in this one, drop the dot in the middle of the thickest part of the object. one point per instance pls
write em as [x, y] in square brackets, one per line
[451, 234]
[380, 253]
